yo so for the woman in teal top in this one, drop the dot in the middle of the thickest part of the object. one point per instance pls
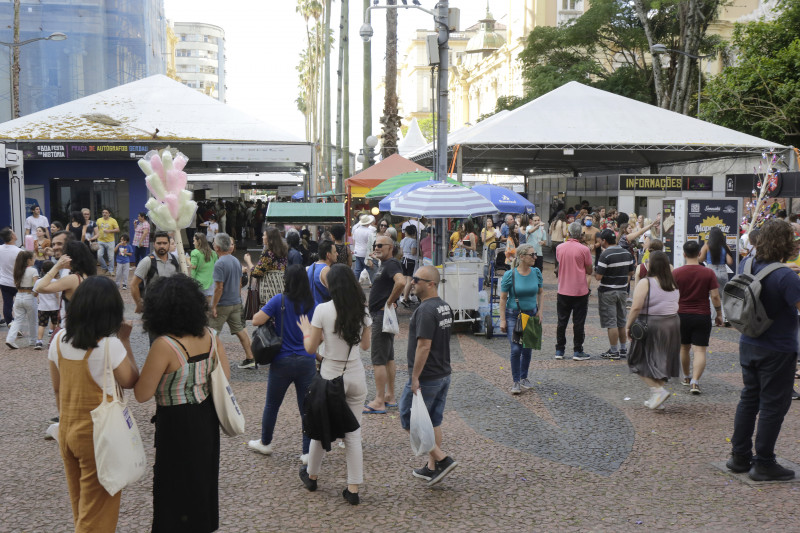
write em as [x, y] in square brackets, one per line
[202, 264]
[523, 284]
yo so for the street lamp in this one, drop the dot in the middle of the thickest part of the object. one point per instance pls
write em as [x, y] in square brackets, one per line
[13, 49]
[662, 49]
[339, 171]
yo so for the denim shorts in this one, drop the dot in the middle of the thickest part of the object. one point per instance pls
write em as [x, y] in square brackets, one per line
[434, 392]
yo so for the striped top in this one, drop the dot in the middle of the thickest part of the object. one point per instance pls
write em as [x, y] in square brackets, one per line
[615, 264]
[188, 384]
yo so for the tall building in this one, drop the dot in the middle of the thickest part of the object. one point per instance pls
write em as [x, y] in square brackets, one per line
[200, 57]
[109, 43]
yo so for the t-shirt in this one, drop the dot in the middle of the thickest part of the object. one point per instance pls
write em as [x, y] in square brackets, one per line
[525, 288]
[295, 257]
[433, 319]
[211, 231]
[488, 236]
[361, 238]
[103, 224]
[116, 352]
[163, 269]
[694, 282]
[203, 270]
[335, 347]
[50, 302]
[292, 335]
[228, 270]
[320, 291]
[27, 278]
[31, 223]
[425, 246]
[614, 264]
[383, 284]
[780, 292]
[408, 244]
[8, 256]
[573, 258]
[535, 237]
[124, 253]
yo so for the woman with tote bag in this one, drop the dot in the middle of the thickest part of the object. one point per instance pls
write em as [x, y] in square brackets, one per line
[177, 371]
[77, 363]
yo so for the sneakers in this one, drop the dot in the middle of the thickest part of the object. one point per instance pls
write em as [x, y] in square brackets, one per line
[770, 472]
[514, 388]
[580, 356]
[12, 345]
[739, 463]
[526, 384]
[54, 420]
[623, 353]
[657, 398]
[49, 331]
[38, 346]
[694, 388]
[351, 497]
[444, 467]
[124, 287]
[266, 449]
[610, 354]
[304, 458]
[795, 395]
[424, 473]
[248, 363]
[559, 354]
[311, 484]
[686, 382]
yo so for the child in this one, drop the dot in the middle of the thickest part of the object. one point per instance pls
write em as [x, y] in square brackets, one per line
[41, 249]
[49, 305]
[212, 228]
[123, 253]
[25, 276]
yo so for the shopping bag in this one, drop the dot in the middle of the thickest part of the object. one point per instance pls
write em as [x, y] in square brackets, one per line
[252, 303]
[363, 279]
[231, 419]
[390, 324]
[528, 331]
[423, 439]
[118, 449]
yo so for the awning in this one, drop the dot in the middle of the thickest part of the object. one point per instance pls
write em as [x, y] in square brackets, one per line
[364, 181]
[296, 213]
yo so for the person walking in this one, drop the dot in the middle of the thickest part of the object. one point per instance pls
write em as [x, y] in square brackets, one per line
[363, 233]
[37, 220]
[177, 372]
[293, 364]
[769, 360]
[159, 264]
[89, 230]
[318, 272]
[696, 285]
[656, 357]
[523, 283]
[94, 326]
[106, 228]
[343, 324]
[536, 236]
[226, 304]
[718, 257]
[343, 254]
[613, 271]
[123, 253]
[25, 277]
[8, 257]
[409, 247]
[386, 289]
[201, 265]
[274, 256]
[141, 238]
[428, 357]
[575, 262]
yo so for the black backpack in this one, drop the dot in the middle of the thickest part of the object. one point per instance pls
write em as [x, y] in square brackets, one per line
[154, 270]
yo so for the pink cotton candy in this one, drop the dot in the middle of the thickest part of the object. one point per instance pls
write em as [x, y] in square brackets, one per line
[176, 181]
[172, 203]
[179, 162]
[158, 166]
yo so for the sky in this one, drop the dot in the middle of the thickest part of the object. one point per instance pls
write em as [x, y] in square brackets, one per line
[264, 39]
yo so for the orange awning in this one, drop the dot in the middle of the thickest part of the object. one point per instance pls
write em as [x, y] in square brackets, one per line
[364, 181]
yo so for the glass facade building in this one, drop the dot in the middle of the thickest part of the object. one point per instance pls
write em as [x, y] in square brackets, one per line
[109, 43]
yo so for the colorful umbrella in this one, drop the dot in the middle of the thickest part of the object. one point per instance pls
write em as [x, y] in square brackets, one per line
[442, 200]
[392, 184]
[506, 200]
[386, 203]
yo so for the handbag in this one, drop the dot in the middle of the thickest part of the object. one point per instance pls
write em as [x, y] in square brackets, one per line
[266, 343]
[118, 449]
[639, 327]
[231, 419]
[252, 303]
[93, 246]
[516, 335]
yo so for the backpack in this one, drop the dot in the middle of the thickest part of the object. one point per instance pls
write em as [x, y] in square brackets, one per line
[154, 270]
[742, 300]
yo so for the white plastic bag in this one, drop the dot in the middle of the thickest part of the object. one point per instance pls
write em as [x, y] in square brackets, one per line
[118, 449]
[363, 279]
[423, 439]
[390, 324]
[231, 419]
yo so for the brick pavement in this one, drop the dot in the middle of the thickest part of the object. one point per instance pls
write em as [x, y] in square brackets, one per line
[579, 452]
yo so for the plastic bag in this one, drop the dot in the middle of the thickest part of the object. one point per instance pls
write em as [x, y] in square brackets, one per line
[363, 279]
[423, 439]
[390, 324]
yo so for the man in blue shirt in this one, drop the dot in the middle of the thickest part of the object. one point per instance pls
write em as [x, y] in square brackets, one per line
[768, 361]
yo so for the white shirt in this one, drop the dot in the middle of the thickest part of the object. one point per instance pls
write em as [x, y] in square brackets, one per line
[50, 302]
[415, 223]
[211, 232]
[27, 278]
[116, 351]
[335, 347]
[31, 223]
[361, 237]
[8, 255]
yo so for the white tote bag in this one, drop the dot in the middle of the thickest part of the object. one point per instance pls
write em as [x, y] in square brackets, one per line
[421, 428]
[390, 324]
[118, 449]
[231, 419]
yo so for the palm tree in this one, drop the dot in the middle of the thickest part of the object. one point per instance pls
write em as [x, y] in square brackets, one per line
[390, 119]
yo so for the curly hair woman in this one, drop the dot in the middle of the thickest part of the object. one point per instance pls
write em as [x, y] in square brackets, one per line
[176, 372]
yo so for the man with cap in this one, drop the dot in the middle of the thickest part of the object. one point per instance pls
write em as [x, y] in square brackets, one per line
[363, 233]
[614, 269]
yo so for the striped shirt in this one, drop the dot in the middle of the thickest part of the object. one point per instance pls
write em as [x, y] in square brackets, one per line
[615, 265]
[188, 384]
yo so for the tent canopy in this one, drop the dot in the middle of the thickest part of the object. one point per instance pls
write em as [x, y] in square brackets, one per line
[413, 139]
[364, 181]
[298, 213]
[580, 128]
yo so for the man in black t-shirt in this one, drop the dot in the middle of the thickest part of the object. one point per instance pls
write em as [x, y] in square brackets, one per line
[387, 286]
[429, 368]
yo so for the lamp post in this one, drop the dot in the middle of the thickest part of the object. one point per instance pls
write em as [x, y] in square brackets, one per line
[13, 49]
[440, 16]
[339, 173]
[662, 49]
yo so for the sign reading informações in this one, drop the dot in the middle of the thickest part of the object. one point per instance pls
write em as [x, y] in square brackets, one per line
[663, 182]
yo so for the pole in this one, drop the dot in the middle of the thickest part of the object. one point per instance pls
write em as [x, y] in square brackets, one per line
[443, 25]
[15, 64]
[699, 84]
[366, 125]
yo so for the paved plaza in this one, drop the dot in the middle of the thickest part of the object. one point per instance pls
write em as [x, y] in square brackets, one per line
[579, 452]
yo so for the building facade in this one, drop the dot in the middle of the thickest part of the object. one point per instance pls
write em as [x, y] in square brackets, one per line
[109, 43]
[200, 57]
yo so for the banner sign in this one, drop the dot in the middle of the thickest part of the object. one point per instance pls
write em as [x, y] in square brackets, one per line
[72, 151]
[661, 182]
[702, 215]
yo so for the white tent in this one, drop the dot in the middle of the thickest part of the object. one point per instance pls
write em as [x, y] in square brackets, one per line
[413, 139]
[582, 128]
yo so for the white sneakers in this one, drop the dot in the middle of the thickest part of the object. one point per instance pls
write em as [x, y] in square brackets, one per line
[657, 397]
[256, 445]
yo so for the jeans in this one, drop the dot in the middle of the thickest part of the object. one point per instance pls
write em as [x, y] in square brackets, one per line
[297, 369]
[768, 377]
[520, 357]
[578, 306]
[8, 302]
[434, 394]
[139, 253]
[360, 265]
[106, 248]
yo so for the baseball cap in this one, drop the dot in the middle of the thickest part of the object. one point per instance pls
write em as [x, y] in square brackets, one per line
[608, 235]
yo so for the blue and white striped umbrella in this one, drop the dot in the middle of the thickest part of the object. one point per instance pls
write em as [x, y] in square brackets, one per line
[442, 200]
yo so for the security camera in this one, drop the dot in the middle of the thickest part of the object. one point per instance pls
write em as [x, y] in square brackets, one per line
[366, 32]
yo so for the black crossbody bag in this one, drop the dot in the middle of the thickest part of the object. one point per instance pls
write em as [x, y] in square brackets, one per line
[266, 342]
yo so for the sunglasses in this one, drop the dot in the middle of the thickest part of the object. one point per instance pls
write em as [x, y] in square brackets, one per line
[374, 246]
[415, 279]
[384, 225]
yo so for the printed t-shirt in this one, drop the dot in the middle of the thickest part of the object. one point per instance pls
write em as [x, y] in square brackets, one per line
[228, 270]
[116, 352]
[383, 284]
[123, 259]
[780, 292]
[526, 287]
[335, 347]
[292, 335]
[694, 283]
[573, 258]
[433, 319]
[103, 224]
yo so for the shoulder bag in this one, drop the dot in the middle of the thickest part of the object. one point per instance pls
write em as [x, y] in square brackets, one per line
[118, 449]
[231, 419]
[266, 342]
[516, 336]
[252, 303]
[639, 327]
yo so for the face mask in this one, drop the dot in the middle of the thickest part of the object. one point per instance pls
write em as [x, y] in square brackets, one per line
[588, 223]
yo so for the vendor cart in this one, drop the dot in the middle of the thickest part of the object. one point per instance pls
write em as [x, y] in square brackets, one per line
[460, 285]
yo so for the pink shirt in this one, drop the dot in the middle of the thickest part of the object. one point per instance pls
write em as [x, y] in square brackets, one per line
[573, 259]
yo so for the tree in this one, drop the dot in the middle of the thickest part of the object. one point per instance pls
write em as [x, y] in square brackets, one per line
[390, 119]
[760, 93]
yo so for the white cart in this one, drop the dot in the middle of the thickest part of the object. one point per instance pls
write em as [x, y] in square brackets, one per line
[459, 288]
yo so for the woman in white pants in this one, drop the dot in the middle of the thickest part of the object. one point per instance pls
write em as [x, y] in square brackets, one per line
[25, 276]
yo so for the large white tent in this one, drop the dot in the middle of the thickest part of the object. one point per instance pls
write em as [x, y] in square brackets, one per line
[582, 128]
